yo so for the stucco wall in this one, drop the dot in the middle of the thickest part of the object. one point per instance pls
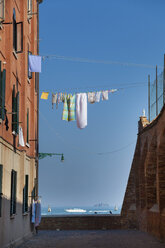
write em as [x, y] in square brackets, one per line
[14, 229]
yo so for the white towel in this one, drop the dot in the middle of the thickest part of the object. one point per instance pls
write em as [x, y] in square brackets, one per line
[81, 110]
[21, 139]
[97, 96]
[105, 95]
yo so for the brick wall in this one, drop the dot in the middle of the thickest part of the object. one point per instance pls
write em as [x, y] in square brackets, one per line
[90, 222]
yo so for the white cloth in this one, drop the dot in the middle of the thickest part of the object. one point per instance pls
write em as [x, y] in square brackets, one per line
[91, 97]
[81, 110]
[105, 95]
[54, 100]
[21, 139]
[33, 212]
[97, 96]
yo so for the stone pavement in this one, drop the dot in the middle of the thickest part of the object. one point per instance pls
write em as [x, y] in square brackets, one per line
[93, 239]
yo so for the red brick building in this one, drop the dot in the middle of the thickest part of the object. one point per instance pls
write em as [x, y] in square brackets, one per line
[19, 36]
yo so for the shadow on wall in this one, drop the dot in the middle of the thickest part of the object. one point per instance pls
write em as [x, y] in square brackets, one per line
[15, 228]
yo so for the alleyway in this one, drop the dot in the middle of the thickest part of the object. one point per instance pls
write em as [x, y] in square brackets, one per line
[92, 239]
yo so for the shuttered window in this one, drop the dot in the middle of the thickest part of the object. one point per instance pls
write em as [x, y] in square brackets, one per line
[1, 178]
[25, 194]
[15, 111]
[17, 34]
[29, 72]
[13, 192]
[27, 133]
[2, 93]
[2, 10]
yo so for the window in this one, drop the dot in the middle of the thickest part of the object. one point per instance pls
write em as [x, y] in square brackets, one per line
[36, 81]
[27, 133]
[15, 111]
[29, 2]
[17, 34]
[1, 176]
[2, 92]
[2, 10]
[29, 72]
[25, 194]
[13, 192]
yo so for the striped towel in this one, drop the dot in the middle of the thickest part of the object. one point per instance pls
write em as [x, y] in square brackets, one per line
[72, 108]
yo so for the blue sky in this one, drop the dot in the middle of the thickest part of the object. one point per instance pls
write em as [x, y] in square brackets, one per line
[124, 31]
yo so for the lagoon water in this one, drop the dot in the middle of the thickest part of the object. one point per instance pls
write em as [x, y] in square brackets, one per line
[79, 210]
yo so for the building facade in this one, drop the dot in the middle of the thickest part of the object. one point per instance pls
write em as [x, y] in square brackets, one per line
[19, 28]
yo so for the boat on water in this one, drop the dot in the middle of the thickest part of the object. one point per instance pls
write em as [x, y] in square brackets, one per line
[115, 208]
[75, 210]
[49, 209]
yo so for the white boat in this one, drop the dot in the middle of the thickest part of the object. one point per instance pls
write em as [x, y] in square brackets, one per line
[75, 210]
[49, 209]
[115, 208]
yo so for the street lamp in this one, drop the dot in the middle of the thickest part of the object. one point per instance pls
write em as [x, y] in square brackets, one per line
[42, 155]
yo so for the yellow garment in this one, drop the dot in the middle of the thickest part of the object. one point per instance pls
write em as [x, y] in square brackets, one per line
[45, 95]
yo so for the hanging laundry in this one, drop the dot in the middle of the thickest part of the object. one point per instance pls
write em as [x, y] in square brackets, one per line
[54, 100]
[33, 212]
[91, 97]
[45, 95]
[81, 110]
[21, 139]
[72, 108]
[59, 98]
[105, 95]
[97, 96]
[34, 63]
[65, 109]
[37, 213]
[113, 90]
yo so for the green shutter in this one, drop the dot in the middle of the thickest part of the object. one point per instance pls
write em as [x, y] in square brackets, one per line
[27, 136]
[17, 111]
[15, 191]
[12, 191]
[1, 176]
[2, 93]
[13, 108]
[26, 192]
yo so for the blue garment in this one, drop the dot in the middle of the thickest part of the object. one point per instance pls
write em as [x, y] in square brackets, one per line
[34, 63]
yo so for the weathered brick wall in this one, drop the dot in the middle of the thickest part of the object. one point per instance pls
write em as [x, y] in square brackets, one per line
[99, 222]
[144, 201]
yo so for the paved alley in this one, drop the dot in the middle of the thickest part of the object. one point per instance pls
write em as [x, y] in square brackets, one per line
[92, 239]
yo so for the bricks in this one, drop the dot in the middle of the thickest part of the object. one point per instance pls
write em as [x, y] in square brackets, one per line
[146, 184]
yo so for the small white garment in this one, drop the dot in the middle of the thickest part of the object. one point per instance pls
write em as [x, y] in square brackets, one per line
[97, 96]
[91, 97]
[21, 139]
[54, 100]
[81, 110]
[105, 95]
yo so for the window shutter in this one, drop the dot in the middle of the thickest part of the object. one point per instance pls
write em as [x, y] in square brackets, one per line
[3, 86]
[29, 72]
[14, 109]
[15, 191]
[17, 111]
[12, 192]
[26, 192]
[27, 136]
[14, 31]
[2, 10]
[19, 30]
[1, 178]
[0, 92]
[1, 175]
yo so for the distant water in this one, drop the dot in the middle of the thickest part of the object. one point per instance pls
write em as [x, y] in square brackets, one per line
[79, 210]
